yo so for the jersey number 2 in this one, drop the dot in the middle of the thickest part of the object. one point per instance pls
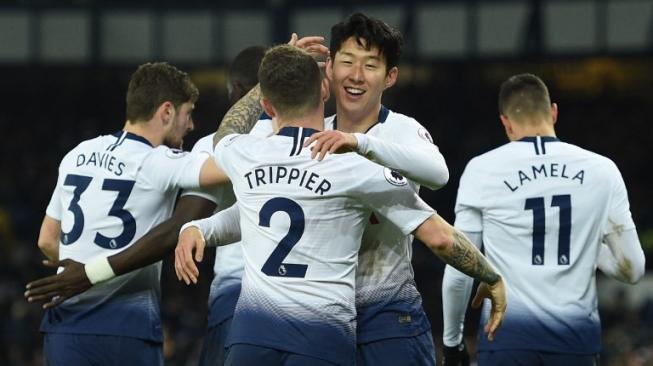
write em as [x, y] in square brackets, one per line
[563, 202]
[274, 266]
[124, 189]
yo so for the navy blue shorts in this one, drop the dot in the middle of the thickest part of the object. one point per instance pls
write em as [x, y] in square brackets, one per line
[534, 358]
[418, 351]
[214, 350]
[86, 349]
[240, 354]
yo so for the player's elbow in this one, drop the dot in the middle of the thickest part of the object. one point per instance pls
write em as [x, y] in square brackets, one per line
[438, 177]
[436, 234]
[637, 268]
[49, 248]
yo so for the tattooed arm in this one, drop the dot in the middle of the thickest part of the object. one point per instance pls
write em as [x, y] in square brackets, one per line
[455, 249]
[242, 116]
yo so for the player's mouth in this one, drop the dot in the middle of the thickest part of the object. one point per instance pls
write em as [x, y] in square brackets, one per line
[354, 92]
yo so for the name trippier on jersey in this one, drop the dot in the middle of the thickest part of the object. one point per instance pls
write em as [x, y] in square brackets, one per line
[550, 170]
[282, 175]
[102, 160]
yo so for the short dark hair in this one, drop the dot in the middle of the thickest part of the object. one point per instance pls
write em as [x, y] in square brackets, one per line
[368, 32]
[524, 95]
[153, 84]
[290, 79]
[244, 67]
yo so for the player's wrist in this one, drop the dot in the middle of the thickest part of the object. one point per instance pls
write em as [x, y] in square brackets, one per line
[361, 143]
[195, 224]
[99, 270]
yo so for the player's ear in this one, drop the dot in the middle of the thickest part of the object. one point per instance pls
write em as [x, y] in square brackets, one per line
[554, 112]
[507, 124]
[268, 108]
[329, 68]
[391, 77]
[324, 90]
[166, 112]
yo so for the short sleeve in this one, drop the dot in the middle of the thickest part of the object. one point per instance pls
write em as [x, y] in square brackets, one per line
[213, 193]
[619, 216]
[168, 169]
[469, 200]
[388, 193]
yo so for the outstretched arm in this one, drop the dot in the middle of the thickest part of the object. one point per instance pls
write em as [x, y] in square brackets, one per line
[152, 247]
[418, 160]
[220, 229]
[243, 115]
[455, 249]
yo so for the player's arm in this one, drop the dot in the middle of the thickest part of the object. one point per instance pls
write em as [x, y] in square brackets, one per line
[222, 228]
[49, 236]
[242, 116]
[414, 157]
[455, 249]
[456, 291]
[152, 247]
[621, 256]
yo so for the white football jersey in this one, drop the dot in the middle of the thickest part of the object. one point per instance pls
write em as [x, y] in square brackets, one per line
[228, 266]
[111, 190]
[387, 299]
[543, 207]
[301, 223]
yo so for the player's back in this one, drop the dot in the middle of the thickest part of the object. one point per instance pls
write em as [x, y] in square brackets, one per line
[545, 207]
[111, 190]
[301, 223]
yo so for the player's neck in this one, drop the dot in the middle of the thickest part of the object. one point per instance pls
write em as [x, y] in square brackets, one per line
[543, 129]
[314, 120]
[351, 122]
[146, 130]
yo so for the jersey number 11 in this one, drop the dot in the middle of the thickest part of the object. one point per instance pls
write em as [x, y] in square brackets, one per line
[563, 202]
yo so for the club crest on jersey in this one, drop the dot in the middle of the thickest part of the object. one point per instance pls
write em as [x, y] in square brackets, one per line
[394, 178]
[423, 133]
[175, 153]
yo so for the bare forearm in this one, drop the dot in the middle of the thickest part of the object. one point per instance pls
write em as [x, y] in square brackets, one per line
[465, 257]
[160, 241]
[242, 116]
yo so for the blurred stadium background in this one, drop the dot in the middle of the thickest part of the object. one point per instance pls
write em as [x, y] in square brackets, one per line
[64, 67]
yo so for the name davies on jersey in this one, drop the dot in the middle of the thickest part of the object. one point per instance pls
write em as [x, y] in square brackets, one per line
[551, 170]
[283, 175]
[102, 160]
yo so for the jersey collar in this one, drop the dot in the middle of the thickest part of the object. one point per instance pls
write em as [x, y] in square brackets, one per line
[297, 131]
[383, 116]
[121, 135]
[542, 138]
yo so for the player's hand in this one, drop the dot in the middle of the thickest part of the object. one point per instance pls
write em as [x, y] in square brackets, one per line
[455, 356]
[497, 294]
[313, 45]
[189, 239]
[331, 142]
[57, 288]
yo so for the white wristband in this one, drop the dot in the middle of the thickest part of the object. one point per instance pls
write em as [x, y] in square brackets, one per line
[99, 270]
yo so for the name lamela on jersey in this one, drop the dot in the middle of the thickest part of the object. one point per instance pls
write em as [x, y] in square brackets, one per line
[102, 160]
[542, 171]
[283, 175]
